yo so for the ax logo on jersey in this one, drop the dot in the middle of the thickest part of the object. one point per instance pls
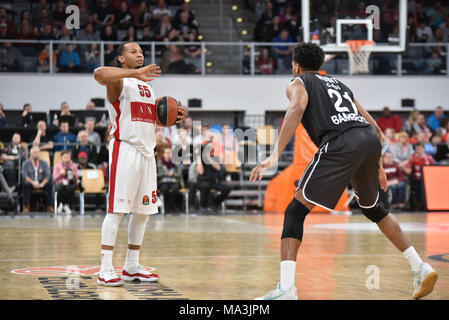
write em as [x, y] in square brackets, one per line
[143, 112]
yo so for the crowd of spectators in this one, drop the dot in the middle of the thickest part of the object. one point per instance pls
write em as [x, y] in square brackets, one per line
[280, 21]
[180, 167]
[200, 160]
[122, 20]
[407, 147]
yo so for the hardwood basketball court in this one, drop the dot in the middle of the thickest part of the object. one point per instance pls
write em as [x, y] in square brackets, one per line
[220, 257]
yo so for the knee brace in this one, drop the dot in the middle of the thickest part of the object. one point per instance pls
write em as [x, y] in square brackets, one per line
[375, 214]
[294, 217]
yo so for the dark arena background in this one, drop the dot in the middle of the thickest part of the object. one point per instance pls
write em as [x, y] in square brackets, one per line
[229, 63]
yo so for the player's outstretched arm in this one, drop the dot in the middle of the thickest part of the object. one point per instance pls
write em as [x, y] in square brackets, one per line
[109, 75]
[112, 78]
[298, 97]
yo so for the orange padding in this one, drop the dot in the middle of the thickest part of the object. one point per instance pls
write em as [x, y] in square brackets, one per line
[437, 188]
[281, 189]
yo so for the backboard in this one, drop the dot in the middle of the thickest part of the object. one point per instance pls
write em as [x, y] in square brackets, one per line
[353, 20]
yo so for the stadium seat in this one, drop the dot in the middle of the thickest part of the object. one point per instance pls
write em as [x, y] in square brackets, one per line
[92, 182]
[29, 64]
[56, 157]
[45, 156]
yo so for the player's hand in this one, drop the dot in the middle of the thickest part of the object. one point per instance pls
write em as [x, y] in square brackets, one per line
[182, 113]
[383, 179]
[148, 73]
[258, 172]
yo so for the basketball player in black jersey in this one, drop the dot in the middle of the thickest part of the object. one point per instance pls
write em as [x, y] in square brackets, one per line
[349, 151]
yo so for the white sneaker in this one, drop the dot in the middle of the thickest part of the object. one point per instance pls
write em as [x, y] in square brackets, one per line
[278, 294]
[109, 278]
[424, 280]
[67, 209]
[60, 208]
[138, 273]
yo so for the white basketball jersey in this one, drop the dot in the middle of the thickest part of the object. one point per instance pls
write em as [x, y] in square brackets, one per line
[133, 116]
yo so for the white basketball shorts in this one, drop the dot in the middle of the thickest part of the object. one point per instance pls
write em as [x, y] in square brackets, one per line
[132, 180]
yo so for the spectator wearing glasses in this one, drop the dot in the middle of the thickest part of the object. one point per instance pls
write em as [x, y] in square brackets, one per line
[84, 145]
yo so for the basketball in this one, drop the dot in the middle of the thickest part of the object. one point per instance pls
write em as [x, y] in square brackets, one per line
[166, 111]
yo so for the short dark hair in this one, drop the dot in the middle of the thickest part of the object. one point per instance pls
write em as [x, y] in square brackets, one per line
[65, 151]
[418, 144]
[309, 56]
[120, 50]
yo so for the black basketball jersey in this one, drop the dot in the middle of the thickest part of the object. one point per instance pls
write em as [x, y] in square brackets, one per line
[331, 109]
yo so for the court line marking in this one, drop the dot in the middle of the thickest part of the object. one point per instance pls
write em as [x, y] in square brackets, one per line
[208, 257]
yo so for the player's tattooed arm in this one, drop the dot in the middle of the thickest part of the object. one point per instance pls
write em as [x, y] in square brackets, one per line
[298, 97]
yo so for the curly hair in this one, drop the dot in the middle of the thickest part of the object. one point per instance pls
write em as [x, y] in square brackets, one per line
[309, 56]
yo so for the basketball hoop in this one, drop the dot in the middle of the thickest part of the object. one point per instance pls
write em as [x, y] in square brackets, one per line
[359, 52]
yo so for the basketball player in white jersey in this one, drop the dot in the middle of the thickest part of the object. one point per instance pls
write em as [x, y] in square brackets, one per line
[132, 167]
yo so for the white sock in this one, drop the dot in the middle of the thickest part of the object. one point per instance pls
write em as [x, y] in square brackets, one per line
[132, 258]
[412, 258]
[106, 260]
[288, 270]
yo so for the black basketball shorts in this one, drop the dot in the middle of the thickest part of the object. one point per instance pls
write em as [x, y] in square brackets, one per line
[351, 157]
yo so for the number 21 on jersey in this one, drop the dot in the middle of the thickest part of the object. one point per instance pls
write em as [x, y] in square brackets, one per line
[337, 103]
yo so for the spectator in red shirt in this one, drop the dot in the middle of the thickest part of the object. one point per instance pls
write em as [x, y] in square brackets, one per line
[265, 62]
[389, 120]
[395, 182]
[7, 21]
[413, 168]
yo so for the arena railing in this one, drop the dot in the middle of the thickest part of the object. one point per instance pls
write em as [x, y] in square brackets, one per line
[417, 57]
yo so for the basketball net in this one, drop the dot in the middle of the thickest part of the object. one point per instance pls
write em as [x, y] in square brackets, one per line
[358, 59]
